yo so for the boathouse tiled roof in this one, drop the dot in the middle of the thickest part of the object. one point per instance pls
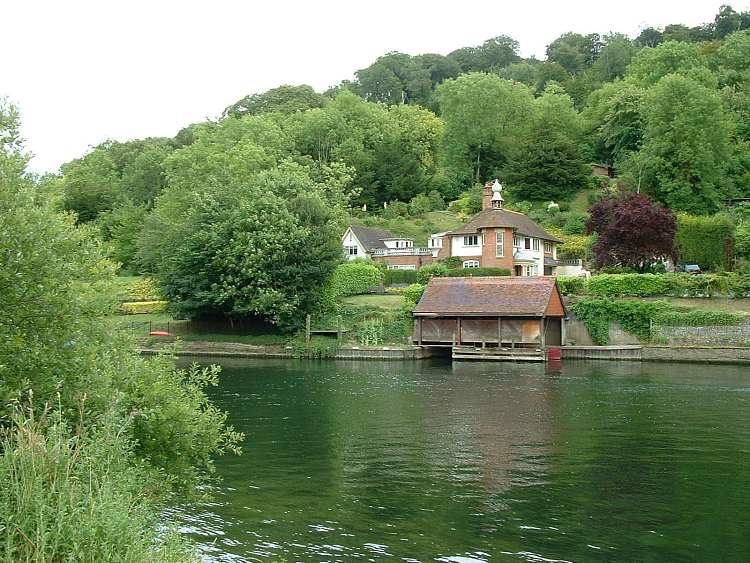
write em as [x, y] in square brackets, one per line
[490, 296]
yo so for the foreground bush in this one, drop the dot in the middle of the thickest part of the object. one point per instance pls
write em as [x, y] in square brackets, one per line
[355, 278]
[144, 307]
[572, 285]
[68, 496]
[91, 494]
[636, 285]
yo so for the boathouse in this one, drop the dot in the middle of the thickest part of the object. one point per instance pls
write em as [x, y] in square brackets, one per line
[513, 312]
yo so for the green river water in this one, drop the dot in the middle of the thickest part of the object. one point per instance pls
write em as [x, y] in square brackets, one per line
[463, 462]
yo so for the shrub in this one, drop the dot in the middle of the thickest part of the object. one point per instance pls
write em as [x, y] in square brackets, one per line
[636, 285]
[371, 332]
[144, 289]
[396, 209]
[452, 261]
[355, 277]
[572, 285]
[400, 276]
[437, 202]
[476, 272]
[420, 204]
[575, 247]
[144, 307]
[705, 240]
[413, 294]
[438, 269]
[79, 496]
[575, 224]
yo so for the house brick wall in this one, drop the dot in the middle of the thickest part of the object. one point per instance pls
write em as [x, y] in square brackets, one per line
[489, 254]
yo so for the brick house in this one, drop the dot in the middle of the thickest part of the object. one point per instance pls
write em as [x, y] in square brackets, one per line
[381, 245]
[500, 238]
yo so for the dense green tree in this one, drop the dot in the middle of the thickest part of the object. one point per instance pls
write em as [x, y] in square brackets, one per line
[483, 115]
[651, 64]
[547, 163]
[393, 150]
[114, 172]
[526, 72]
[493, 55]
[614, 57]
[261, 247]
[685, 143]
[649, 37]
[613, 115]
[574, 52]
[282, 99]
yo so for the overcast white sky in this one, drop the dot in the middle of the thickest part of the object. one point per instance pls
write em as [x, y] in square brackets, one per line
[86, 71]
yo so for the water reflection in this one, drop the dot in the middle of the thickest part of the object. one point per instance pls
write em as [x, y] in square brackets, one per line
[479, 462]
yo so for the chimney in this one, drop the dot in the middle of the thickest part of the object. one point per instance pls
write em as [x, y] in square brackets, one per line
[487, 196]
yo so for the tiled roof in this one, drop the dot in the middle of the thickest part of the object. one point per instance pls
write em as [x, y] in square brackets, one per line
[371, 238]
[493, 296]
[504, 218]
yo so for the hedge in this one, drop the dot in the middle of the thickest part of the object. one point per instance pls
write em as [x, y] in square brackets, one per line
[143, 289]
[636, 285]
[572, 285]
[144, 307]
[431, 270]
[400, 276]
[705, 240]
[354, 278]
[657, 285]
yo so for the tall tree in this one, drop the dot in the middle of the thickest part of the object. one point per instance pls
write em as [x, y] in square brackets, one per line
[686, 144]
[283, 99]
[483, 115]
[575, 52]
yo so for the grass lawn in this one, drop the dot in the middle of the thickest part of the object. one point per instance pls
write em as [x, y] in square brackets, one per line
[385, 302]
[580, 203]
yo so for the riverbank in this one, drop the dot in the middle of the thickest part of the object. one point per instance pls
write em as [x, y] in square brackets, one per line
[194, 348]
[683, 354]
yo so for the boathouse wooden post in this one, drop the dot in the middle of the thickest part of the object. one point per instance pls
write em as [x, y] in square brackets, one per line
[419, 330]
[458, 323]
[541, 332]
[499, 332]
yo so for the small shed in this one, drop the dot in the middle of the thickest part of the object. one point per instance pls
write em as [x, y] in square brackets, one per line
[493, 311]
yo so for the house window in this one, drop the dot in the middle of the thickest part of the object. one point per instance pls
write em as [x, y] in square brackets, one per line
[402, 267]
[517, 241]
[499, 244]
[351, 250]
[436, 242]
[548, 247]
[527, 243]
[471, 264]
[532, 271]
[536, 243]
[471, 240]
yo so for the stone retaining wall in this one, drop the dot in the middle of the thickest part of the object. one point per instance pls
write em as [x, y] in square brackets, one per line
[705, 335]
[698, 354]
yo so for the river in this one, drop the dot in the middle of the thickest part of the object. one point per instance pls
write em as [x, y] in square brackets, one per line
[463, 462]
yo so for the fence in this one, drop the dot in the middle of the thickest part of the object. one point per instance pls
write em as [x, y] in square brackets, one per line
[703, 335]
